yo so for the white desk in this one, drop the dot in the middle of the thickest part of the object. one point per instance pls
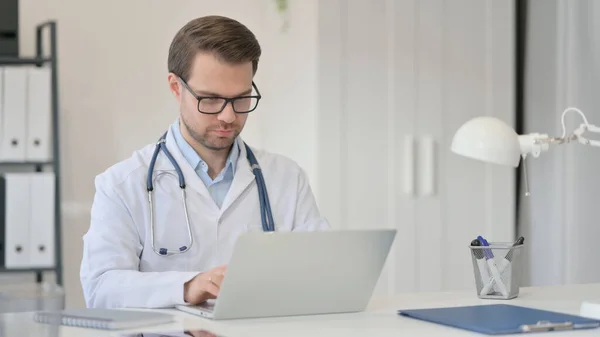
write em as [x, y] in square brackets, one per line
[380, 319]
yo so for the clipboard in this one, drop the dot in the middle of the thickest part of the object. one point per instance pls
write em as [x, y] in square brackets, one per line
[499, 319]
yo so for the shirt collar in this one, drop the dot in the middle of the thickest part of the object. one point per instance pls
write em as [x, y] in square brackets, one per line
[192, 156]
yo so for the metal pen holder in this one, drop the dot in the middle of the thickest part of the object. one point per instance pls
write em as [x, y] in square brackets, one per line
[497, 270]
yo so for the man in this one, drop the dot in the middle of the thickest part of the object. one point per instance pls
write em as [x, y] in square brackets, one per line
[127, 260]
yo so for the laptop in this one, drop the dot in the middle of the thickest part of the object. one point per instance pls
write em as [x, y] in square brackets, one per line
[299, 273]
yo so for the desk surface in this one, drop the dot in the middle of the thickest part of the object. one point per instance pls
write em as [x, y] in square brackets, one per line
[380, 318]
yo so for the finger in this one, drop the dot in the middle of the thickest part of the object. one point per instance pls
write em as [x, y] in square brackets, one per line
[211, 288]
[212, 277]
[194, 333]
[204, 333]
[217, 279]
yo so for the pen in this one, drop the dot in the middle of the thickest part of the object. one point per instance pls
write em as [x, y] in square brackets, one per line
[503, 264]
[489, 256]
[488, 252]
[508, 257]
[483, 270]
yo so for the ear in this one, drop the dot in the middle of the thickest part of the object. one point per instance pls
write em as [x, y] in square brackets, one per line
[175, 85]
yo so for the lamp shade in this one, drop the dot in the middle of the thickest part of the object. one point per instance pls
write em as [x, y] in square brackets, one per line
[488, 139]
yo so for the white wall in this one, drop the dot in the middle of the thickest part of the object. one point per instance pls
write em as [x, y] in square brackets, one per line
[415, 69]
[563, 69]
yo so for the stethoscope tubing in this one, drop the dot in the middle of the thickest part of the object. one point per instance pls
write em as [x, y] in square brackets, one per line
[266, 215]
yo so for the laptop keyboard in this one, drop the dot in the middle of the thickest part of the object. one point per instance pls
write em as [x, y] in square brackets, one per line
[209, 305]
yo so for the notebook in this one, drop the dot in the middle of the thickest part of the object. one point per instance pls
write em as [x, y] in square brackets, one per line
[497, 319]
[109, 319]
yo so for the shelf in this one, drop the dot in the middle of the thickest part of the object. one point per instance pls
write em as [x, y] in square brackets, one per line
[23, 61]
[25, 270]
[26, 163]
[43, 56]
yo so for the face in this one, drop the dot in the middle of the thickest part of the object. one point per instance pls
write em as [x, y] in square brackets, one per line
[211, 77]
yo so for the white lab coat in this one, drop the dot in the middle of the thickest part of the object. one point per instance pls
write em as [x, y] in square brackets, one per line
[119, 267]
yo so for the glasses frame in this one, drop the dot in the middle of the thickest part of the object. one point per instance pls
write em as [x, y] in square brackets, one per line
[228, 100]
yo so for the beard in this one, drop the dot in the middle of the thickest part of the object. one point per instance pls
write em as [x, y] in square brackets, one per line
[212, 141]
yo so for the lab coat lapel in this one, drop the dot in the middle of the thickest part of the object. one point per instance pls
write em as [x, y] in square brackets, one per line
[241, 180]
[191, 177]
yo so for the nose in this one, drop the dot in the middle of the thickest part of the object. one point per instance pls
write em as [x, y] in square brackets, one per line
[227, 115]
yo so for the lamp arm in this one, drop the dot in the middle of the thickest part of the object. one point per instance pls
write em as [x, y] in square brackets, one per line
[577, 134]
[535, 143]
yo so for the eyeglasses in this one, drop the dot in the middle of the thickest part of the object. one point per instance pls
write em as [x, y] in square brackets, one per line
[215, 104]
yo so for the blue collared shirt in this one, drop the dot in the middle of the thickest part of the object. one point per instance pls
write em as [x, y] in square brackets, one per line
[218, 187]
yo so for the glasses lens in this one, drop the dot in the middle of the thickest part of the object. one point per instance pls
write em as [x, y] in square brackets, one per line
[245, 104]
[211, 105]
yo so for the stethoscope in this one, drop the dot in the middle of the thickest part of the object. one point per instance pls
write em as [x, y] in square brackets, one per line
[265, 207]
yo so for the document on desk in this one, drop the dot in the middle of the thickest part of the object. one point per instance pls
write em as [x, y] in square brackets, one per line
[499, 319]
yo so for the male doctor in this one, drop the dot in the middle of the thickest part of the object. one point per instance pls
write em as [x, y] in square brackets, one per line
[212, 61]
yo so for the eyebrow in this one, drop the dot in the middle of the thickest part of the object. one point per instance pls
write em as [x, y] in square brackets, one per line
[210, 93]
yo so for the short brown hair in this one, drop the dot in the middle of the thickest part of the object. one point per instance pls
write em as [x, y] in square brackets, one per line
[228, 39]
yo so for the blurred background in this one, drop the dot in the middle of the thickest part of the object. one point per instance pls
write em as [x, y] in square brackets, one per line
[366, 96]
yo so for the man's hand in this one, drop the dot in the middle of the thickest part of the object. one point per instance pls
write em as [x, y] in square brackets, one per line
[204, 286]
[200, 333]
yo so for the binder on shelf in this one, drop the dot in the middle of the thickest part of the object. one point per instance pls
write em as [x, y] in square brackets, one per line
[12, 136]
[15, 194]
[39, 117]
[27, 220]
[41, 222]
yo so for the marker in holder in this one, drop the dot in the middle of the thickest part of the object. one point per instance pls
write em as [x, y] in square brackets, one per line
[497, 268]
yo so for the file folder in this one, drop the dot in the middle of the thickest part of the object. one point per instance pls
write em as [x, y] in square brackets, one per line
[501, 319]
[41, 221]
[14, 92]
[15, 219]
[39, 116]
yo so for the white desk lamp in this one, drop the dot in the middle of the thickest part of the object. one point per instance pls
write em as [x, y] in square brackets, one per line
[490, 140]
